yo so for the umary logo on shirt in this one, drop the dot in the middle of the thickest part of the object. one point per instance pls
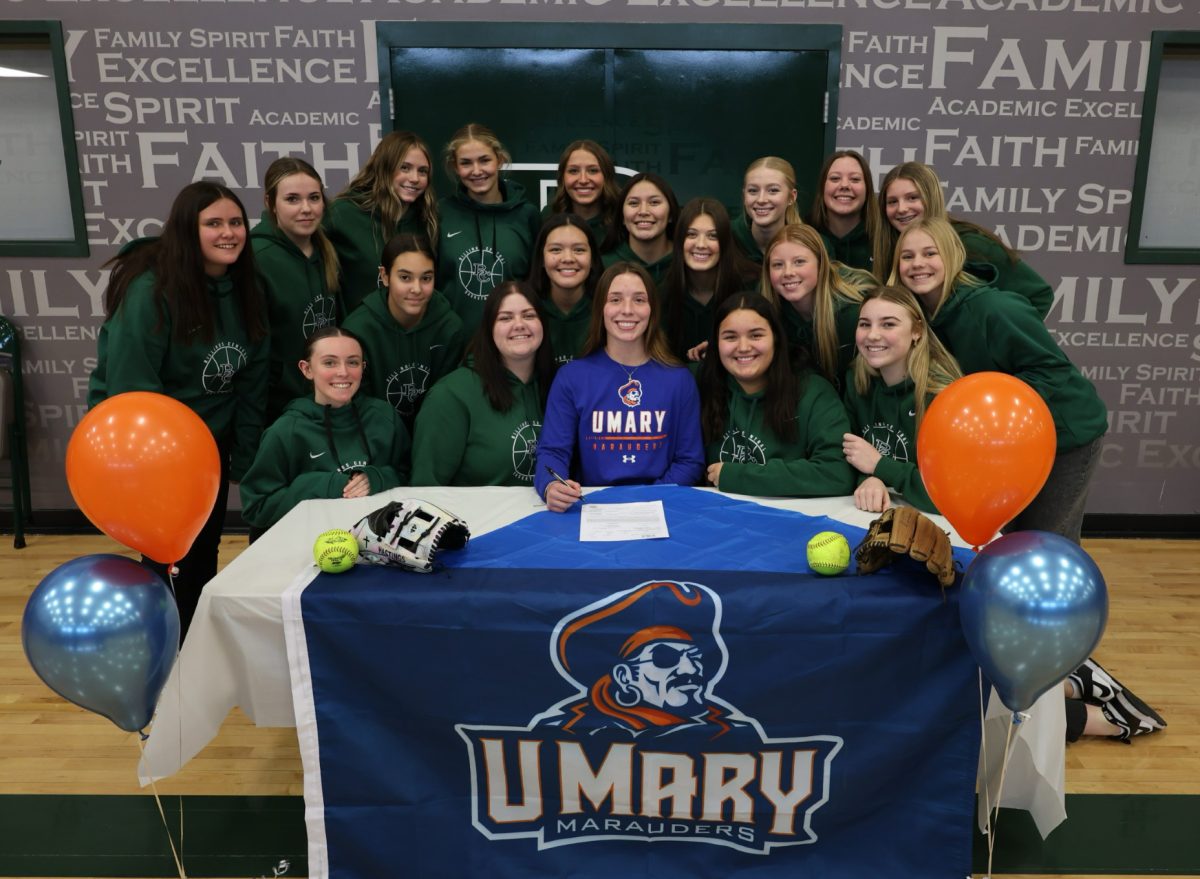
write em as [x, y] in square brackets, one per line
[631, 393]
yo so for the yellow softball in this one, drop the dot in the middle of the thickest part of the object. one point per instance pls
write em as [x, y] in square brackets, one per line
[335, 551]
[828, 553]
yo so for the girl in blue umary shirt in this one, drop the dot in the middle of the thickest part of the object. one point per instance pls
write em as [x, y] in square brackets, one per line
[626, 412]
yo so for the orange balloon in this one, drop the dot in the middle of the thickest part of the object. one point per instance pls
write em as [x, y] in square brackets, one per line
[984, 450]
[144, 469]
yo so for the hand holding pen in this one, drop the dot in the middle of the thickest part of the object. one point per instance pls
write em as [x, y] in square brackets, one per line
[562, 494]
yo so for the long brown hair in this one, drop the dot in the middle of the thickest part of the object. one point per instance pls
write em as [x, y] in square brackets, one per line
[373, 191]
[782, 392]
[617, 233]
[926, 182]
[655, 339]
[538, 278]
[610, 192]
[180, 284]
[930, 366]
[485, 358]
[831, 289]
[868, 215]
[277, 171]
[734, 271]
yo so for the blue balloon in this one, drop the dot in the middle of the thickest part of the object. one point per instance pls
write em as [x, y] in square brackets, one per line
[102, 631]
[1033, 608]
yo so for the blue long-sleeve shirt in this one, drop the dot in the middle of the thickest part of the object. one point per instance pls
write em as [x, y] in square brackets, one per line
[604, 426]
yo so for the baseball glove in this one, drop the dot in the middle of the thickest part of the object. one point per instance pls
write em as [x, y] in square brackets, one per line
[408, 534]
[903, 531]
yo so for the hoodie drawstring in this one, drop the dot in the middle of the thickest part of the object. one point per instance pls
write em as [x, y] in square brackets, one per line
[362, 433]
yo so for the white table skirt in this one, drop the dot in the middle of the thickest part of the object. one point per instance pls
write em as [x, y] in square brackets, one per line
[235, 654]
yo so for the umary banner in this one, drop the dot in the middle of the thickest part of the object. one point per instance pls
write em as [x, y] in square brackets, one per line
[697, 706]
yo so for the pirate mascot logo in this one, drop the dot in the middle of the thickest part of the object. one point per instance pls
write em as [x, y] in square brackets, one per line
[630, 755]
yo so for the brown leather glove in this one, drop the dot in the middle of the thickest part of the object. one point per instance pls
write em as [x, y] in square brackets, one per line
[903, 531]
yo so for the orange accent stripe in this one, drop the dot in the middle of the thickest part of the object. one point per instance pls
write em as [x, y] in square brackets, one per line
[657, 436]
[617, 608]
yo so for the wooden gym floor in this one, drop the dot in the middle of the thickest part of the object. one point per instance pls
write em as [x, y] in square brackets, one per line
[50, 747]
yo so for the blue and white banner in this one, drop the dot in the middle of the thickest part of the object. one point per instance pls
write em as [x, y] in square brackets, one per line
[697, 706]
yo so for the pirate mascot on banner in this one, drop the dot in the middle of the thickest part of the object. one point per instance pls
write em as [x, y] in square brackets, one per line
[645, 662]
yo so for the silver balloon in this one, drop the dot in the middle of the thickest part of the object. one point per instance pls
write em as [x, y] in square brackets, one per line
[1033, 608]
[103, 631]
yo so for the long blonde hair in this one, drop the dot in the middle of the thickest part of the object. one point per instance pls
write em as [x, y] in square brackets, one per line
[284, 167]
[372, 190]
[950, 249]
[830, 290]
[930, 366]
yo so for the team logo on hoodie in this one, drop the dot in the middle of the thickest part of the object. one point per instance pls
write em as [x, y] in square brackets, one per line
[479, 270]
[524, 449]
[739, 447]
[888, 441]
[407, 385]
[318, 314]
[223, 362]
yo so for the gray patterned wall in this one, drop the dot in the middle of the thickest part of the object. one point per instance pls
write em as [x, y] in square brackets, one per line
[1028, 109]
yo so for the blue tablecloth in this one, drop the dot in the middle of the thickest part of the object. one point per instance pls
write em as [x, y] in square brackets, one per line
[509, 716]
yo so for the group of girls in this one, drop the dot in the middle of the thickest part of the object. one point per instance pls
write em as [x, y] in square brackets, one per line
[781, 308]
[821, 343]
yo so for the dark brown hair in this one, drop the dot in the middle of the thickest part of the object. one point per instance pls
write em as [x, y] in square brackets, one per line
[180, 283]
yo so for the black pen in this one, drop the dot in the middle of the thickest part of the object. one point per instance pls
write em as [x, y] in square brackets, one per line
[558, 478]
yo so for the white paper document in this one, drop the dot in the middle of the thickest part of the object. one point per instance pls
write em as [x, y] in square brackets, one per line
[638, 521]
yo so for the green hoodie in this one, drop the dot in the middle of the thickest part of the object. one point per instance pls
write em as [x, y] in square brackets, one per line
[697, 324]
[994, 330]
[311, 451]
[853, 250]
[461, 440]
[744, 238]
[1018, 278]
[567, 332]
[481, 245]
[756, 462]
[800, 332]
[658, 269]
[886, 417]
[403, 364]
[359, 239]
[596, 223]
[298, 304]
[224, 381]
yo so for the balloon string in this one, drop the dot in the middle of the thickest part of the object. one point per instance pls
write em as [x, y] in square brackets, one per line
[1000, 791]
[987, 799]
[171, 572]
[163, 815]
